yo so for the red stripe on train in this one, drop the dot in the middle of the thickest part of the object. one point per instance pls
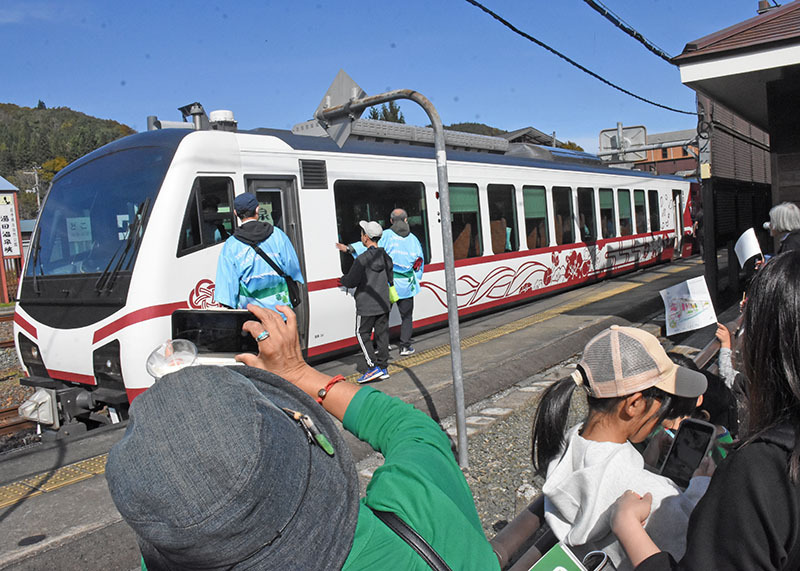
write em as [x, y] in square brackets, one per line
[30, 329]
[133, 393]
[71, 377]
[438, 266]
[137, 317]
[440, 318]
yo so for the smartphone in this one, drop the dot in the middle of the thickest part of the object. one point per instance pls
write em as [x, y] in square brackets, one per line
[214, 331]
[691, 444]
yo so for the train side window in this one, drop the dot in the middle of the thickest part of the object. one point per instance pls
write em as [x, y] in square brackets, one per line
[586, 215]
[624, 204]
[562, 206]
[640, 211]
[503, 218]
[536, 216]
[465, 218]
[209, 217]
[607, 215]
[652, 203]
[358, 200]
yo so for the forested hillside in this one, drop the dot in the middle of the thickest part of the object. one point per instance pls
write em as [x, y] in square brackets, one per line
[45, 140]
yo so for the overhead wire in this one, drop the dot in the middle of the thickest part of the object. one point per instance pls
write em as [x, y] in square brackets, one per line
[572, 62]
[628, 29]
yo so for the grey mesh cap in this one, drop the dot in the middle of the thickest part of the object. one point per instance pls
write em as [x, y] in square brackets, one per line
[371, 229]
[211, 474]
[623, 360]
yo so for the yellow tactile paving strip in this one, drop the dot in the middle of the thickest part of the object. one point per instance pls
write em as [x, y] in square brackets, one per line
[444, 350]
[72, 473]
[51, 480]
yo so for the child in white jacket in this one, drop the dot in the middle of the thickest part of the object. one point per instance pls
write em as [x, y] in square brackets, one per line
[632, 386]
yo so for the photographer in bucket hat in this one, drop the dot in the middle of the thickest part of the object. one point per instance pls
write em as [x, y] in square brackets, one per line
[242, 468]
[631, 386]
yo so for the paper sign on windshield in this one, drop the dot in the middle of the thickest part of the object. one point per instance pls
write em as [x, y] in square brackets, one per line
[688, 306]
[747, 246]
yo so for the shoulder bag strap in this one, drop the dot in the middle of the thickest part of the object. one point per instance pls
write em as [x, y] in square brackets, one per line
[269, 260]
[413, 539]
[263, 254]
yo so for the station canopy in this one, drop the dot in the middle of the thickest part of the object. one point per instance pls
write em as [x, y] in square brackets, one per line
[734, 65]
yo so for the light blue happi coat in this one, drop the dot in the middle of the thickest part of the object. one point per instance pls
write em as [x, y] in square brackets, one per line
[404, 252]
[244, 277]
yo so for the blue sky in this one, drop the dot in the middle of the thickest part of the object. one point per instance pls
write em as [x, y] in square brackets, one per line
[270, 62]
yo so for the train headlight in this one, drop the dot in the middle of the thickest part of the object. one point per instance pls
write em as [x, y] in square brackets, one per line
[31, 357]
[106, 362]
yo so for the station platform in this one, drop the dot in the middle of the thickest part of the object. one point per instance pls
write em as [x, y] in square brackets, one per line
[62, 516]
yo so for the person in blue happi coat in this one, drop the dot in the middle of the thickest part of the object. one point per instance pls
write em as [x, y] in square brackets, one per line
[406, 252]
[243, 276]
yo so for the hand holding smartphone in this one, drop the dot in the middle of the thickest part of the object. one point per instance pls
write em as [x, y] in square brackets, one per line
[691, 444]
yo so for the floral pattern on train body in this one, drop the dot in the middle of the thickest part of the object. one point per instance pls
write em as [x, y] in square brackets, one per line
[579, 265]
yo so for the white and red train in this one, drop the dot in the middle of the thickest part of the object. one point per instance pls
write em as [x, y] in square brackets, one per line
[125, 249]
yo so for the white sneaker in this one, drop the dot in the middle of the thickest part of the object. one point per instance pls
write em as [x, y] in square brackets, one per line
[406, 351]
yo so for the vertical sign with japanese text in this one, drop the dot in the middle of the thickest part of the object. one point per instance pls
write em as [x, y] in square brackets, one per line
[9, 228]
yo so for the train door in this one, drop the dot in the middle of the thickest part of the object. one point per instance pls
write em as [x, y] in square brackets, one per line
[279, 205]
[677, 207]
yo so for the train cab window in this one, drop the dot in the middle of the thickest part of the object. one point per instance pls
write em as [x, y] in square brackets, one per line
[607, 215]
[536, 217]
[375, 200]
[624, 204]
[640, 211]
[586, 216]
[562, 206]
[652, 204]
[209, 217]
[466, 221]
[503, 218]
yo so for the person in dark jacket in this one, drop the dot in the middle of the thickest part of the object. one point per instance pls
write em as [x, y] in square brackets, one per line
[750, 516]
[243, 276]
[784, 223]
[371, 275]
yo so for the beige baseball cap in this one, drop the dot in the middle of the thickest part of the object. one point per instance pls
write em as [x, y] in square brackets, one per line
[623, 360]
[371, 229]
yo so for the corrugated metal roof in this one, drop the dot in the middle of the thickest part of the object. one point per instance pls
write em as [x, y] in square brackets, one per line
[778, 25]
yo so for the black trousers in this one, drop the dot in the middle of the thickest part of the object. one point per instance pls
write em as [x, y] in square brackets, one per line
[365, 324]
[406, 308]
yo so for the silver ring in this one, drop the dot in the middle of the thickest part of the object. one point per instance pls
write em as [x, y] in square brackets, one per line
[263, 335]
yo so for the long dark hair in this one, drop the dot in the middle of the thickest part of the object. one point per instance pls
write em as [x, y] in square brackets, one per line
[771, 349]
[550, 421]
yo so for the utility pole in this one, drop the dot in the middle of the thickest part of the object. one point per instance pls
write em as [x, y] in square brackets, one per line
[35, 173]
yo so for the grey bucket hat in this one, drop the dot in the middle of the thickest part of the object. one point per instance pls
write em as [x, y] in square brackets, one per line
[212, 474]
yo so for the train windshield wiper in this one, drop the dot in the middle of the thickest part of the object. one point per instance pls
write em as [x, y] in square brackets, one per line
[36, 247]
[135, 232]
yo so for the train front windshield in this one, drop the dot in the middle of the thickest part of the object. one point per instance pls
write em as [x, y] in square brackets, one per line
[95, 215]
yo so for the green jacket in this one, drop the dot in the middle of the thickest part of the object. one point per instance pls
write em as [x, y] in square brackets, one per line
[421, 482]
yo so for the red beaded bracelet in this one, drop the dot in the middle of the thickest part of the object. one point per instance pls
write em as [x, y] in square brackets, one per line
[324, 392]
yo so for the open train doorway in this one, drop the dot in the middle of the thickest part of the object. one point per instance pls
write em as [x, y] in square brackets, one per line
[279, 205]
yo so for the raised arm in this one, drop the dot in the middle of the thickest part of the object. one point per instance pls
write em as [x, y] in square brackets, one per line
[280, 353]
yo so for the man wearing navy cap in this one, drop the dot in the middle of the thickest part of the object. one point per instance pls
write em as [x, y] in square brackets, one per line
[243, 276]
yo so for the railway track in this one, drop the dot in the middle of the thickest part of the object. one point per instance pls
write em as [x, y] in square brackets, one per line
[8, 343]
[11, 422]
